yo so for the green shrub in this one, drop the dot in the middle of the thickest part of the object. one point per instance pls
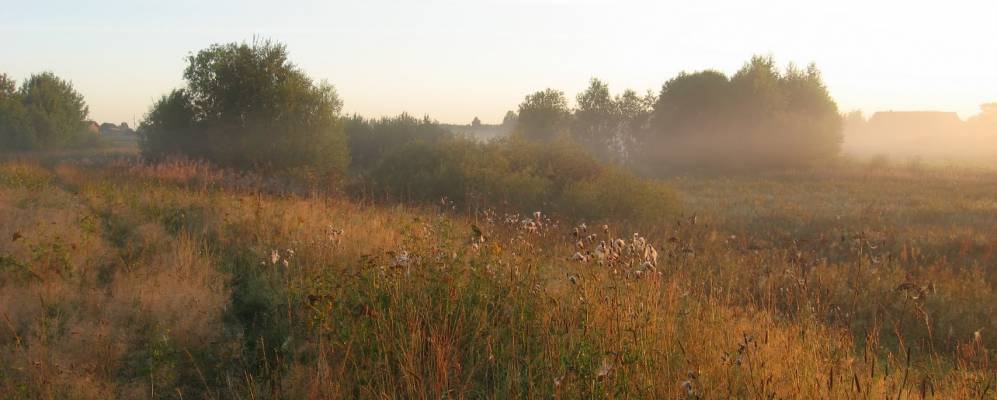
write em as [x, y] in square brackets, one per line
[371, 139]
[520, 175]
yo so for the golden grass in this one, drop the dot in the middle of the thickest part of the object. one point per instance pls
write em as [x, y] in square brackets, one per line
[177, 280]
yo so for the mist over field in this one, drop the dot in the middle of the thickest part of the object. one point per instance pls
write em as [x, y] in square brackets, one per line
[930, 135]
[715, 201]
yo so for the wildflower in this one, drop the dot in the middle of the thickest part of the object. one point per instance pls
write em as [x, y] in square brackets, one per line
[274, 257]
[403, 259]
[687, 387]
[579, 257]
[651, 255]
[335, 233]
[477, 236]
[601, 252]
[605, 368]
[619, 244]
[530, 226]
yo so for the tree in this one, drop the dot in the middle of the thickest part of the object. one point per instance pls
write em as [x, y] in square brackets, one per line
[984, 123]
[7, 87]
[510, 119]
[475, 122]
[759, 117]
[12, 121]
[45, 112]
[596, 119]
[634, 116]
[371, 139]
[246, 105]
[543, 115]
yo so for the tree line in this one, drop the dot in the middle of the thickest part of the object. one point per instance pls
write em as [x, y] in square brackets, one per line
[759, 117]
[246, 105]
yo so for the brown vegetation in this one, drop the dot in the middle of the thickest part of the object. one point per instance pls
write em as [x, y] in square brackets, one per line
[173, 280]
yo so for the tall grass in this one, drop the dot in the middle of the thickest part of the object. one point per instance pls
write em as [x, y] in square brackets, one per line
[176, 280]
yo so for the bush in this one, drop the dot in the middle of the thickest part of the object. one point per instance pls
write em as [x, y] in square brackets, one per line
[248, 106]
[371, 139]
[520, 175]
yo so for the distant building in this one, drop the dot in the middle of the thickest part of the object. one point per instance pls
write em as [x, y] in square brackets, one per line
[93, 128]
[108, 128]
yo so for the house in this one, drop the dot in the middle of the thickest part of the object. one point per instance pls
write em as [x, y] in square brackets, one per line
[108, 128]
[93, 128]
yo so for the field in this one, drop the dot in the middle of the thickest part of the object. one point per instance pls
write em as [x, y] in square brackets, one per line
[178, 280]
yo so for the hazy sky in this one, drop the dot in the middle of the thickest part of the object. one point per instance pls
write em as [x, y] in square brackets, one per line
[454, 60]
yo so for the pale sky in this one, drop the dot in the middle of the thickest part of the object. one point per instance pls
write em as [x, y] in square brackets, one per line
[455, 60]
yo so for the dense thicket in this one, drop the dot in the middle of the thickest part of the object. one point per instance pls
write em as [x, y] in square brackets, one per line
[246, 105]
[371, 139]
[521, 175]
[46, 112]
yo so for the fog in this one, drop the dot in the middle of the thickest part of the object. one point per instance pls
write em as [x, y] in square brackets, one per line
[933, 136]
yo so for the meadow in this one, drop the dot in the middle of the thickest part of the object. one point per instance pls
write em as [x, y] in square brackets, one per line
[121, 279]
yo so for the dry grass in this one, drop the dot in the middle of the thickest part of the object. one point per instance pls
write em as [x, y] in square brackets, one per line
[177, 280]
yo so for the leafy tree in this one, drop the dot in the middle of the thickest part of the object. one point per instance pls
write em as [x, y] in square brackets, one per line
[475, 122]
[543, 115]
[689, 99]
[45, 112]
[510, 119]
[7, 87]
[170, 128]
[985, 123]
[759, 117]
[12, 118]
[596, 119]
[634, 116]
[246, 105]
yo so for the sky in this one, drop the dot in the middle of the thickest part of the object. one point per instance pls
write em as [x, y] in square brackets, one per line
[454, 60]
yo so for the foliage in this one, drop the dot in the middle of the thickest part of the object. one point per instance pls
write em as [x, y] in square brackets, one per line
[246, 105]
[510, 118]
[371, 139]
[520, 175]
[611, 128]
[985, 123]
[801, 284]
[543, 116]
[759, 117]
[46, 112]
